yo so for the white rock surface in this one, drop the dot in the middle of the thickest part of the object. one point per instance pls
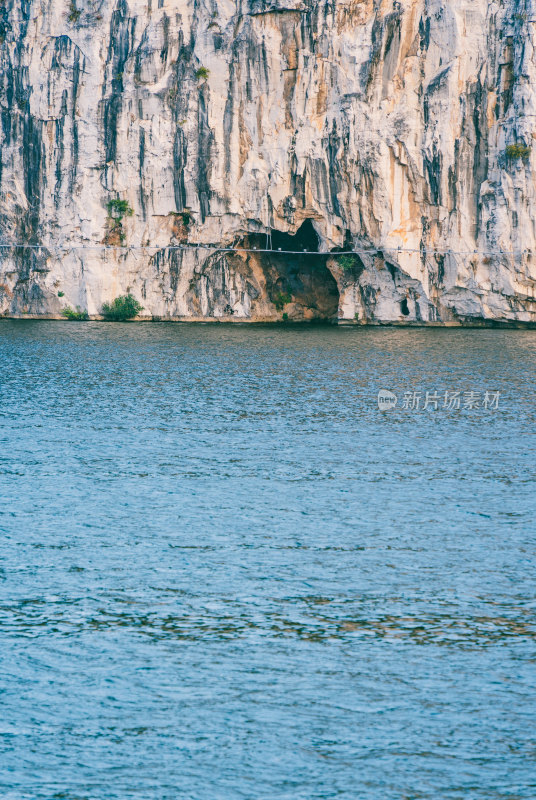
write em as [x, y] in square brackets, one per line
[386, 123]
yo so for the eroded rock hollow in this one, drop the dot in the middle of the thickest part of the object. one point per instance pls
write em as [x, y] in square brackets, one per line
[190, 151]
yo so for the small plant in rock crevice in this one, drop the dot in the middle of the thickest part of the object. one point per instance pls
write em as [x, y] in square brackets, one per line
[74, 14]
[515, 151]
[202, 73]
[181, 224]
[281, 300]
[117, 210]
[347, 262]
[121, 309]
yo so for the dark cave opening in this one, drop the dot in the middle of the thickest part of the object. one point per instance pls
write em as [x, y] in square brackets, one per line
[305, 238]
[298, 281]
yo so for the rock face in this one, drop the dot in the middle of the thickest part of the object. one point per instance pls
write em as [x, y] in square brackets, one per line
[402, 130]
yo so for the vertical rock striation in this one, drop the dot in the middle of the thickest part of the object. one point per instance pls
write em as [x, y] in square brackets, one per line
[400, 129]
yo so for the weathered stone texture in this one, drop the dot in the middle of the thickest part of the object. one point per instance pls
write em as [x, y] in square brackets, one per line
[383, 125]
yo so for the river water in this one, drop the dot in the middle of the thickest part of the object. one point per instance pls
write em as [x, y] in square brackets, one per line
[226, 574]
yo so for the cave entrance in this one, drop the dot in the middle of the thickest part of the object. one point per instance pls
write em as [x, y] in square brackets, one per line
[298, 281]
[305, 238]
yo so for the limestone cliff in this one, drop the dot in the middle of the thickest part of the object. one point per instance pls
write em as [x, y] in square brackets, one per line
[400, 129]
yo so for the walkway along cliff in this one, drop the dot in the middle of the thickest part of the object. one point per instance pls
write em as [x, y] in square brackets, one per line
[357, 160]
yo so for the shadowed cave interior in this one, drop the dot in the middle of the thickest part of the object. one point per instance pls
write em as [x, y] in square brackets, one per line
[298, 283]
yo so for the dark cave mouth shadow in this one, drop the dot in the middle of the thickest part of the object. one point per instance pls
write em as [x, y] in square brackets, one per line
[298, 282]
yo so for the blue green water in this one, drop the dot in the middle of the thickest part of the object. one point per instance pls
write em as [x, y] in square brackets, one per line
[225, 574]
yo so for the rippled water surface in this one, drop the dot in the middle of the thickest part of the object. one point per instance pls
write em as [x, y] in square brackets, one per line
[225, 574]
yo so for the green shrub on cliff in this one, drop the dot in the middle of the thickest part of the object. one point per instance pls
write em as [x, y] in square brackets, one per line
[79, 315]
[347, 262]
[518, 151]
[119, 209]
[121, 309]
[281, 300]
